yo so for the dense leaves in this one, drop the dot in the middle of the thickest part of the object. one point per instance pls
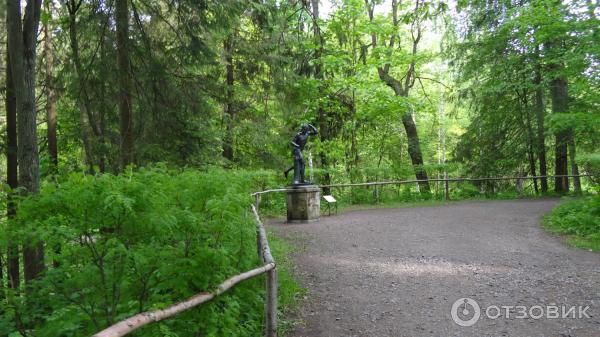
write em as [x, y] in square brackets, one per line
[509, 58]
[579, 220]
[123, 244]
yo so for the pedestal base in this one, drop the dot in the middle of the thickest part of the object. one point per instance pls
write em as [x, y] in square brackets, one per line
[303, 203]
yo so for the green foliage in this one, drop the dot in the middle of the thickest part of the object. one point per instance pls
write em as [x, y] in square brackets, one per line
[591, 163]
[507, 55]
[579, 219]
[143, 240]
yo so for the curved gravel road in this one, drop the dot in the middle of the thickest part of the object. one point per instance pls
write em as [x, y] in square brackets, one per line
[397, 272]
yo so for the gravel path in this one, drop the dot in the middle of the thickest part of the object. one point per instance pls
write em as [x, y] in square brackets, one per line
[397, 272]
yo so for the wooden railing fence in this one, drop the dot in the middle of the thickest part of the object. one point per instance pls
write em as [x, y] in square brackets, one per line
[447, 181]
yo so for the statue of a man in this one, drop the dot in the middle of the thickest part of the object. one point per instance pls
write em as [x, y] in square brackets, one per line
[298, 143]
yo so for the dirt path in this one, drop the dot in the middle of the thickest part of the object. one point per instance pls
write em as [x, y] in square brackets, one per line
[397, 272]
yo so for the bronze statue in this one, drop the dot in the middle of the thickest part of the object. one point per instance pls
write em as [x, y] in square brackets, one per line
[298, 143]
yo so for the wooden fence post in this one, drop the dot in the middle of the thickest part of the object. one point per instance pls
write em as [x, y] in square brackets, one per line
[519, 187]
[271, 305]
[447, 190]
[271, 283]
[259, 245]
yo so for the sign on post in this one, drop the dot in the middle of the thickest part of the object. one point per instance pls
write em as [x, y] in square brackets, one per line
[330, 200]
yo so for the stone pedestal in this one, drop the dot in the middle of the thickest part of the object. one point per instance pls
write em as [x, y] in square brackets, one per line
[303, 203]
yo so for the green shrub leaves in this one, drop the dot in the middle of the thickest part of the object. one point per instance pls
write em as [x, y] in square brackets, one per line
[118, 245]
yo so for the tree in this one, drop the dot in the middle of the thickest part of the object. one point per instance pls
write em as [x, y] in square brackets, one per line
[22, 38]
[50, 91]
[229, 109]
[12, 178]
[514, 54]
[87, 125]
[402, 86]
[559, 95]
[124, 75]
[540, 113]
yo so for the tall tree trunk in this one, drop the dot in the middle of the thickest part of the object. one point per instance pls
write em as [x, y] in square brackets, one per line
[124, 75]
[414, 144]
[229, 108]
[11, 171]
[102, 120]
[50, 94]
[559, 92]
[530, 140]
[574, 168]
[539, 113]
[352, 157]
[414, 151]
[22, 38]
[87, 123]
[441, 145]
[102, 112]
[324, 136]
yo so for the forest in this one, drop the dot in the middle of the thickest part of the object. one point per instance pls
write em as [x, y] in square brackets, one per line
[134, 131]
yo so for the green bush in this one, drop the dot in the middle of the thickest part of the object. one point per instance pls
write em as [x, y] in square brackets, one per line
[579, 219]
[119, 245]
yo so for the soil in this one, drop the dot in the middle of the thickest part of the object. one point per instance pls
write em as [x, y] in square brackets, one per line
[397, 272]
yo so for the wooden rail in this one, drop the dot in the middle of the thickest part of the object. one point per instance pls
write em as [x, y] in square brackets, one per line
[271, 191]
[133, 323]
[257, 195]
[446, 182]
[399, 182]
[265, 254]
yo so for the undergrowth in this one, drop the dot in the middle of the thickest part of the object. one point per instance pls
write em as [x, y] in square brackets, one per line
[119, 245]
[579, 220]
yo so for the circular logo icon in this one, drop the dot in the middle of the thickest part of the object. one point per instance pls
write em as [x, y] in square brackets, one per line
[465, 311]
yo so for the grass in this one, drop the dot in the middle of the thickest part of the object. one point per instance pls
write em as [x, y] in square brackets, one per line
[578, 219]
[590, 243]
[290, 291]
